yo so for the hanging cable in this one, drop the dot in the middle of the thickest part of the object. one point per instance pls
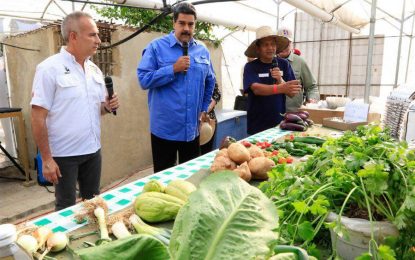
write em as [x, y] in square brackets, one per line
[339, 6]
[47, 189]
[166, 10]
[107, 4]
[212, 1]
[18, 47]
[142, 29]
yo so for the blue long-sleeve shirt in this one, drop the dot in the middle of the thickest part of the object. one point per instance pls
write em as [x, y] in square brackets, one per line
[175, 100]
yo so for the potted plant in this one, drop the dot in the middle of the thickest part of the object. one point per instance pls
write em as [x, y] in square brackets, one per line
[363, 174]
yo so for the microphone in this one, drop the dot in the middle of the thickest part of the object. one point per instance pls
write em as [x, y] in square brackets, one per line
[110, 90]
[185, 52]
[275, 65]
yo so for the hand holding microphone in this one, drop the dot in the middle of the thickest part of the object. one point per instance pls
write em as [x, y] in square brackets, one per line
[183, 62]
[112, 98]
[276, 73]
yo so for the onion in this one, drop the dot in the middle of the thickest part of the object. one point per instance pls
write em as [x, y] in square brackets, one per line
[120, 230]
[28, 243]
[57, 241]
[42, 234]
[99, 213]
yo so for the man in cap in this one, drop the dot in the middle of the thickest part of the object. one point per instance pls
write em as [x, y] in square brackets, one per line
[267, 80]
[302, 72]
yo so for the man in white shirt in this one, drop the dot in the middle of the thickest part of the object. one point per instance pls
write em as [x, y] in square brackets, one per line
[68, 98]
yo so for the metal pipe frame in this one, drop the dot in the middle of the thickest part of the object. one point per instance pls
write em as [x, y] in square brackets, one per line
[398, 56]
[383, 11]
[410, 50]
[370, 52]
[349, 66]
[319, 56]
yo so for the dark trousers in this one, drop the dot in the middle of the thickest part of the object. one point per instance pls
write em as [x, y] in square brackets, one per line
[165, 152]
[84, 169]
[208, 147]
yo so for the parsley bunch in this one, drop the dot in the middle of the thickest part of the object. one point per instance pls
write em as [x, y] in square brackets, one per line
[364, 174]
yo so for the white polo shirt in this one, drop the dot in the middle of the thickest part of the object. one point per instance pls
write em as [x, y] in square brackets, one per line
[73, 98]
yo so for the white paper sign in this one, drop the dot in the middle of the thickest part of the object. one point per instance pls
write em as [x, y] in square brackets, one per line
[356, 112]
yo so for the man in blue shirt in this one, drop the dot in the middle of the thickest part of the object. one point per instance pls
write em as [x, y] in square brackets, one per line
[267, 80]
[180, 89]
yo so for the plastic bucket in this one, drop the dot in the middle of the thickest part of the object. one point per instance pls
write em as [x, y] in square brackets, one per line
[356, 242]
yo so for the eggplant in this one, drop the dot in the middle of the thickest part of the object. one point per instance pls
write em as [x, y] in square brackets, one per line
[292, 126]
[292, 118]
[301, 114]
[309, 122]
[305, 113]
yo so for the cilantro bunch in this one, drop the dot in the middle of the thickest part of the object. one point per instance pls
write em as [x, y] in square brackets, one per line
[364, 174]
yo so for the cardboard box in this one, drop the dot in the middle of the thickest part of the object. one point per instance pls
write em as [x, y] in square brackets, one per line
[373, 117]
[339, 124]
[318, 114]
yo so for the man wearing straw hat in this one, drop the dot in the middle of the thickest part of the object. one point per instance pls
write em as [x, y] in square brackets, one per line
[267, 80]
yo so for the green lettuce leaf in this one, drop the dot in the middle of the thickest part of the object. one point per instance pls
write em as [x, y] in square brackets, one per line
[226, 218]
[132, 247]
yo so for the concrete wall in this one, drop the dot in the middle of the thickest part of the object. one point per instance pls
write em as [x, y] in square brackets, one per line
[21, 67]
[125, 138]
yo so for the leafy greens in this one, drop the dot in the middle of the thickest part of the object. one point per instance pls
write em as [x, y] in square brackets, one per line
[226, 218]
[364, 173]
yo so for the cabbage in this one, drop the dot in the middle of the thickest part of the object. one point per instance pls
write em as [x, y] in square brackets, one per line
[129, 248]
[226, 218]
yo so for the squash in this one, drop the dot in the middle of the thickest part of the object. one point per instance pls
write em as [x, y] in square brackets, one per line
[153, 185]
[156, 207]
[180, 189]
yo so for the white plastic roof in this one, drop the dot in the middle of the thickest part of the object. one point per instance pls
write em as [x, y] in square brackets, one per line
[249, 14]
[40, 10]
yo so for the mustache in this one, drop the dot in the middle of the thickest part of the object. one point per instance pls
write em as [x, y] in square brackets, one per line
[185, 33]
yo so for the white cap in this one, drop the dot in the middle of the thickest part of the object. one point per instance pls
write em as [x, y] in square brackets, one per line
[285, 32]
[8, 234]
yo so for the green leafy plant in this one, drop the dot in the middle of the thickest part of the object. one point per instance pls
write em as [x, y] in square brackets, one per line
[139, 17]
[133, 247]
[226, 218]
[362, 174]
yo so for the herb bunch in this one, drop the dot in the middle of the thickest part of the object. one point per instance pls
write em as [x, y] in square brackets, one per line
[364, 174]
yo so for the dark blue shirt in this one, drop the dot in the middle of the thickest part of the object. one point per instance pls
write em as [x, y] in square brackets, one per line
[264, 112]
[175, 100]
